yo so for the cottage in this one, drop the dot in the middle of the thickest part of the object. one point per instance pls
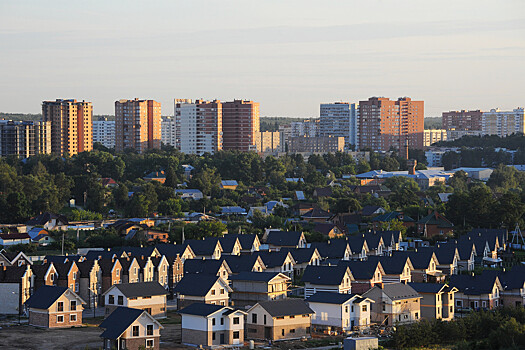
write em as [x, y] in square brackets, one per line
[55, 307]
[131, 329]
[209, 248]
[230, 245]
[338, 249]
[339, 312]
[379, 220]
[14, 238]
[49, 222]
[316, 215]
[15, 288]
[327, 279]
[282, 319]
[202, 288]
[366, 274]
[161, 268]
[329, 230]
[513, 283]
[184, 251]
[238, 264]
[250, 288]
[90, 282]
[13, 259]
[148, 296]
[212, 325]
[189, 193]
[425, 265]
[435, 224]
[249, 242]
[44, 275]
[68, 276]
[304, 257]
[219, 268]
[285, 239]
[111, 273]
[228, 185]
[437, 300]
[394, 303]
[281, 261]
[477, 292]
[396, 268]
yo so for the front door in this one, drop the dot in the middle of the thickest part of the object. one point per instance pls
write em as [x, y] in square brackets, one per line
[267, 333]
[221, 337]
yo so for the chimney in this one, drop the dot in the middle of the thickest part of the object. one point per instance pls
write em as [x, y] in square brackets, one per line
[411, 165]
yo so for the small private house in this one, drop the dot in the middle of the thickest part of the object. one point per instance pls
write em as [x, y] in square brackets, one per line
[396, 268]
[282, 319]
[366, 274]
[339, 312]
[437, 300]
[206, 248]
[245, 262]
[394, 303]
[219, 268]
[189, 194]
[49, 221]
[329, 250]
[90, 282]
[55, 307]
[14, 238]
[249, 242]
[336, 279]
[230, 245]
[202, 288]
[278, 261]
[285, 239]
[228, 185]
[148, 296]
[130, 329]
[434, 224]
[304, 257]
[425, 265]
[15, 288]
[44, 275]
[111, 272]
[212, 325]
[13, 259]
[477, 292]
[173, 250]
[250, 288]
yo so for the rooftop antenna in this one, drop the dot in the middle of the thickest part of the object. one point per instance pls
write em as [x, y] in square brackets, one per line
[517, 235]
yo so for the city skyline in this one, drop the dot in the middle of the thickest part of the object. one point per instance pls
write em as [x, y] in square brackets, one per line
[267, 52]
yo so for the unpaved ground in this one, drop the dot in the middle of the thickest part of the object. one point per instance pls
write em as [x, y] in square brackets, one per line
[31, 338]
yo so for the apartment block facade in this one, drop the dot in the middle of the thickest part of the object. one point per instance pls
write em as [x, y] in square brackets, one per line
[71, 125]
[503, 123]
[339, 119]
[169, 131]
[104, 132]
[240, 125]
[137, 124]
[199, 126]
[321, 144]
[384, 123]
[308, 127]
[268, 141]
[24, 138]
[432, 136]
[461, 120]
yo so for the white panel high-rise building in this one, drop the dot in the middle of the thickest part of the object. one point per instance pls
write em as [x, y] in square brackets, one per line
[503, 123]
[104, 132]
[339, 119]
[168, 131]
[308, 127]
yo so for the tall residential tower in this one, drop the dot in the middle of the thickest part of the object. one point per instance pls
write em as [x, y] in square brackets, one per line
[240, 125]
[137, 124]
[339, 119]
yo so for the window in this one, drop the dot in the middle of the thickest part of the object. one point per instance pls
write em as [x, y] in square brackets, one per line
[458, 303]
[73, 305]
[417, 315]
[254, 318]
[222, 321]
[236, 320]
[135, 331]
[213, 322]
[149, 329]
[74, 275]
[111, 299]
[264, 319]
[60, 306]
[363, 308]
[60, 318]
[120, 300]
[150, 343]
[213, 292]
[292, 330]
[451, 309]
[282, 332]
[73, 318]
[222, 290]
[346, 309]
[118, 272]
[213, 336]
[292, 316]
[236, 335]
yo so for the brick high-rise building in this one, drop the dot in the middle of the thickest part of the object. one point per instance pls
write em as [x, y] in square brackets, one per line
[71, 125]
[461, 120]
[199, 126]
[240, 124]
[24, 138]
[137, 124]
[384, 123]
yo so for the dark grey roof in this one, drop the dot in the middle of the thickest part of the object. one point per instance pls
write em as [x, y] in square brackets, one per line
[396, 291]
[284, 238]
[474, 285]
[246, 240]
[134, 251]
[254, 276]
[330, 250]
[202, 247]
[369, 210]
[419, 259]
[286, 307]
[317, 213]
[142, 289]
[99, 254]
[44, 218]
[200, 309]
[301, 255]
[361, 270]
[427, 287]
[227, 243]
[272, 259]
[195, 284]
[206, 266]
[45, 296]
[240, 263]
[356, 243]
[392, 265]
[118, 321]
[324, 275]
[170, 250]
[330, 298]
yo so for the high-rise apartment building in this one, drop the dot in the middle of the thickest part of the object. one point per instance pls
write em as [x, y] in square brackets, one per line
[104, 132]
[319, 144]
[308, 127]
[432, 136]
[240, 124]
[137, 124]
[339, 119]
[24, 138]
[503, 123]
[384, 123]
[71, 125]
[461, 120]
[199, 126]
[168, 131]
[268, 141]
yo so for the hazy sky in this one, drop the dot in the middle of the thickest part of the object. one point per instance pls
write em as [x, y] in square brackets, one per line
[288, 55]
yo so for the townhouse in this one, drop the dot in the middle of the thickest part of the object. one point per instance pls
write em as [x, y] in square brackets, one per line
[202, 288]
[250, 288]
[394, 303]
[327, 279]
[148, 296]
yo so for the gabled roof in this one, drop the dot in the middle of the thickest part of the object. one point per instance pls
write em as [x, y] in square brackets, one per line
[316, 213]
[501, 233]
[285, 307]
[135, 251]
[326, 227]
[330, 298]
[445, 253]
[141, 289]
[356, 243]
[323, 191]
[361, 270]
[436, 218]
[201, 309]
[301, 255]
[227, 243]
[195, 284]
[391, 216]
[246, 240]
[433, 288]
[257, 276]
[120, 320]
[12, 273]
[273, 259]
[392, 265]
[203, 247]
[85, 267]
[239, 263]
[325, 275]
[331, 250]
[171, 250]
[100, 254]
[474, 285]
[205, 266]
[369, 210]
[233, 210]
[420, 259]
[44, 218]
[45, 296]
[397, 291]
[373, 241]
[284, 238]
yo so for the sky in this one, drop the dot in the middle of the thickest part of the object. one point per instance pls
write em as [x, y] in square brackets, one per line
[289, 55]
